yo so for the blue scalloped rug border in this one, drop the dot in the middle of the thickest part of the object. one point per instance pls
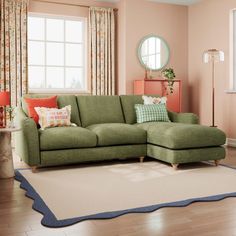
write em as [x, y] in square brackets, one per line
[49, 219]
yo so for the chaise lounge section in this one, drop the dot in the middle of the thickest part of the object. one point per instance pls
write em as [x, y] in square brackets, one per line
[181, 141]
[107, 129]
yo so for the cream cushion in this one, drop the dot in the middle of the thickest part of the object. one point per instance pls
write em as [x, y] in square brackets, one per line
[148, 100]
[53, 117]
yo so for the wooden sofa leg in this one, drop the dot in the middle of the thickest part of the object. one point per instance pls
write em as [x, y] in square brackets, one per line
[141, 159]
[175, 166]
[217, 162]
[34, 169]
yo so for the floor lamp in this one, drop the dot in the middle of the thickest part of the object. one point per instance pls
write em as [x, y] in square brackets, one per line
[212, 56]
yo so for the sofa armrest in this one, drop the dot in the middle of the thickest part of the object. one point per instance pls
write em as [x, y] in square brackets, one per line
[27, 139]
[186, 118]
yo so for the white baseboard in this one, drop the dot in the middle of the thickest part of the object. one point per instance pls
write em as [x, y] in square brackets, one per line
[231, 142]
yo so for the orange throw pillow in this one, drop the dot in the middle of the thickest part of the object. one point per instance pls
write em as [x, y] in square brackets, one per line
[39, 102]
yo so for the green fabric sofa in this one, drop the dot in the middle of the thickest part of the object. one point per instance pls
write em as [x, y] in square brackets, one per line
[106, 129]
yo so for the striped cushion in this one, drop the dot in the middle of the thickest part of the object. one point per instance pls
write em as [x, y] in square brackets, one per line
[153, 112]
[52, 117]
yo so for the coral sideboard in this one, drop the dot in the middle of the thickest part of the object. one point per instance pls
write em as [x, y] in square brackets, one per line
[160, 87]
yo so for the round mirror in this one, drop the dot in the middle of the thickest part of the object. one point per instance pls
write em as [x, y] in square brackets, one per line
[153, 52]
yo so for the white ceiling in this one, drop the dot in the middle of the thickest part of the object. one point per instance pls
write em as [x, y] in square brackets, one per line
[178, 2]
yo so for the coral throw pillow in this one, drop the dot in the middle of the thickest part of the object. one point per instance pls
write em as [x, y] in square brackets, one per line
[39, 102]
[52, 117]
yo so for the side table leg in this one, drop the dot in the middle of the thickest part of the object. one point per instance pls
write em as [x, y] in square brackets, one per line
[6, 160]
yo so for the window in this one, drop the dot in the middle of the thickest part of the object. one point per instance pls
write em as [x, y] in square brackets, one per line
[57, 54]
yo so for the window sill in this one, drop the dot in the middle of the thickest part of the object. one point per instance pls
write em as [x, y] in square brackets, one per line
[230, 91]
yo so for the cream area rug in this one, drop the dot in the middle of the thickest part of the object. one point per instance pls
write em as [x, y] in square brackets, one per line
[69, 195]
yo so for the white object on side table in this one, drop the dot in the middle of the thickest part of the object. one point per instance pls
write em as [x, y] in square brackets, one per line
[6, 160]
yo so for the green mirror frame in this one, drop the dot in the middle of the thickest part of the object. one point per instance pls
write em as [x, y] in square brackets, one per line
[140, 56]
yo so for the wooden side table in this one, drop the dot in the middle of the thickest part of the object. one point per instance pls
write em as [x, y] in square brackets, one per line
[6, 160]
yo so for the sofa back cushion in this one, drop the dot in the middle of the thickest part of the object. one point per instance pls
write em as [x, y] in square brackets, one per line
[65, 100]
[100, 109]
[62, 101]
[128, 102]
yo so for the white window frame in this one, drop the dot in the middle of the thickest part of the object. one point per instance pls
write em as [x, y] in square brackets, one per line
[85, 55]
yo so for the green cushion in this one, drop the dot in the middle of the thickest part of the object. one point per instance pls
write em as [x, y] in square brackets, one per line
[118, 134]
[66, 137]
[62, 101]
[146, 125]
[181, 136]
[66, 100]
[100, 109]
[186, 155]
[128, 102]
[152, 112]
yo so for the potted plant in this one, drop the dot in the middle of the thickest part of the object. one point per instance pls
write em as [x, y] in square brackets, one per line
[11, 114]
[169, 75]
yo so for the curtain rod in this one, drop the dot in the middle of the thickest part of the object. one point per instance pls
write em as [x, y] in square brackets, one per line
[67, 4]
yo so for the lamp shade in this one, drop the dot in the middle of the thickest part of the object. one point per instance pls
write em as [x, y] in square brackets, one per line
[4, 98]
[213, 55]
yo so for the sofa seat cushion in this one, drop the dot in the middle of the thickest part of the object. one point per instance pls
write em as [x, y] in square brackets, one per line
[182, 136]
[66, 137]
[118, 134]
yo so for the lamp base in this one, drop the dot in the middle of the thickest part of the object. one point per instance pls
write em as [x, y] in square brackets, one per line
[213, 126]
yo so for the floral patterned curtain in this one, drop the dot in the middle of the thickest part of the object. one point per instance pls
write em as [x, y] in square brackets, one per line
[102, 42]
[13, 48]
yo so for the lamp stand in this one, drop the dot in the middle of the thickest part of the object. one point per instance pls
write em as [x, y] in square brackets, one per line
[213, 95]
[2, 120]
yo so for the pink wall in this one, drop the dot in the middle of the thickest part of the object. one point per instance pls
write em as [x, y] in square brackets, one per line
[140, 18]
[209, 28]
[136, 19]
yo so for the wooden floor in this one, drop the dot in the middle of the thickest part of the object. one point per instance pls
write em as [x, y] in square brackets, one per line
[204, 219]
